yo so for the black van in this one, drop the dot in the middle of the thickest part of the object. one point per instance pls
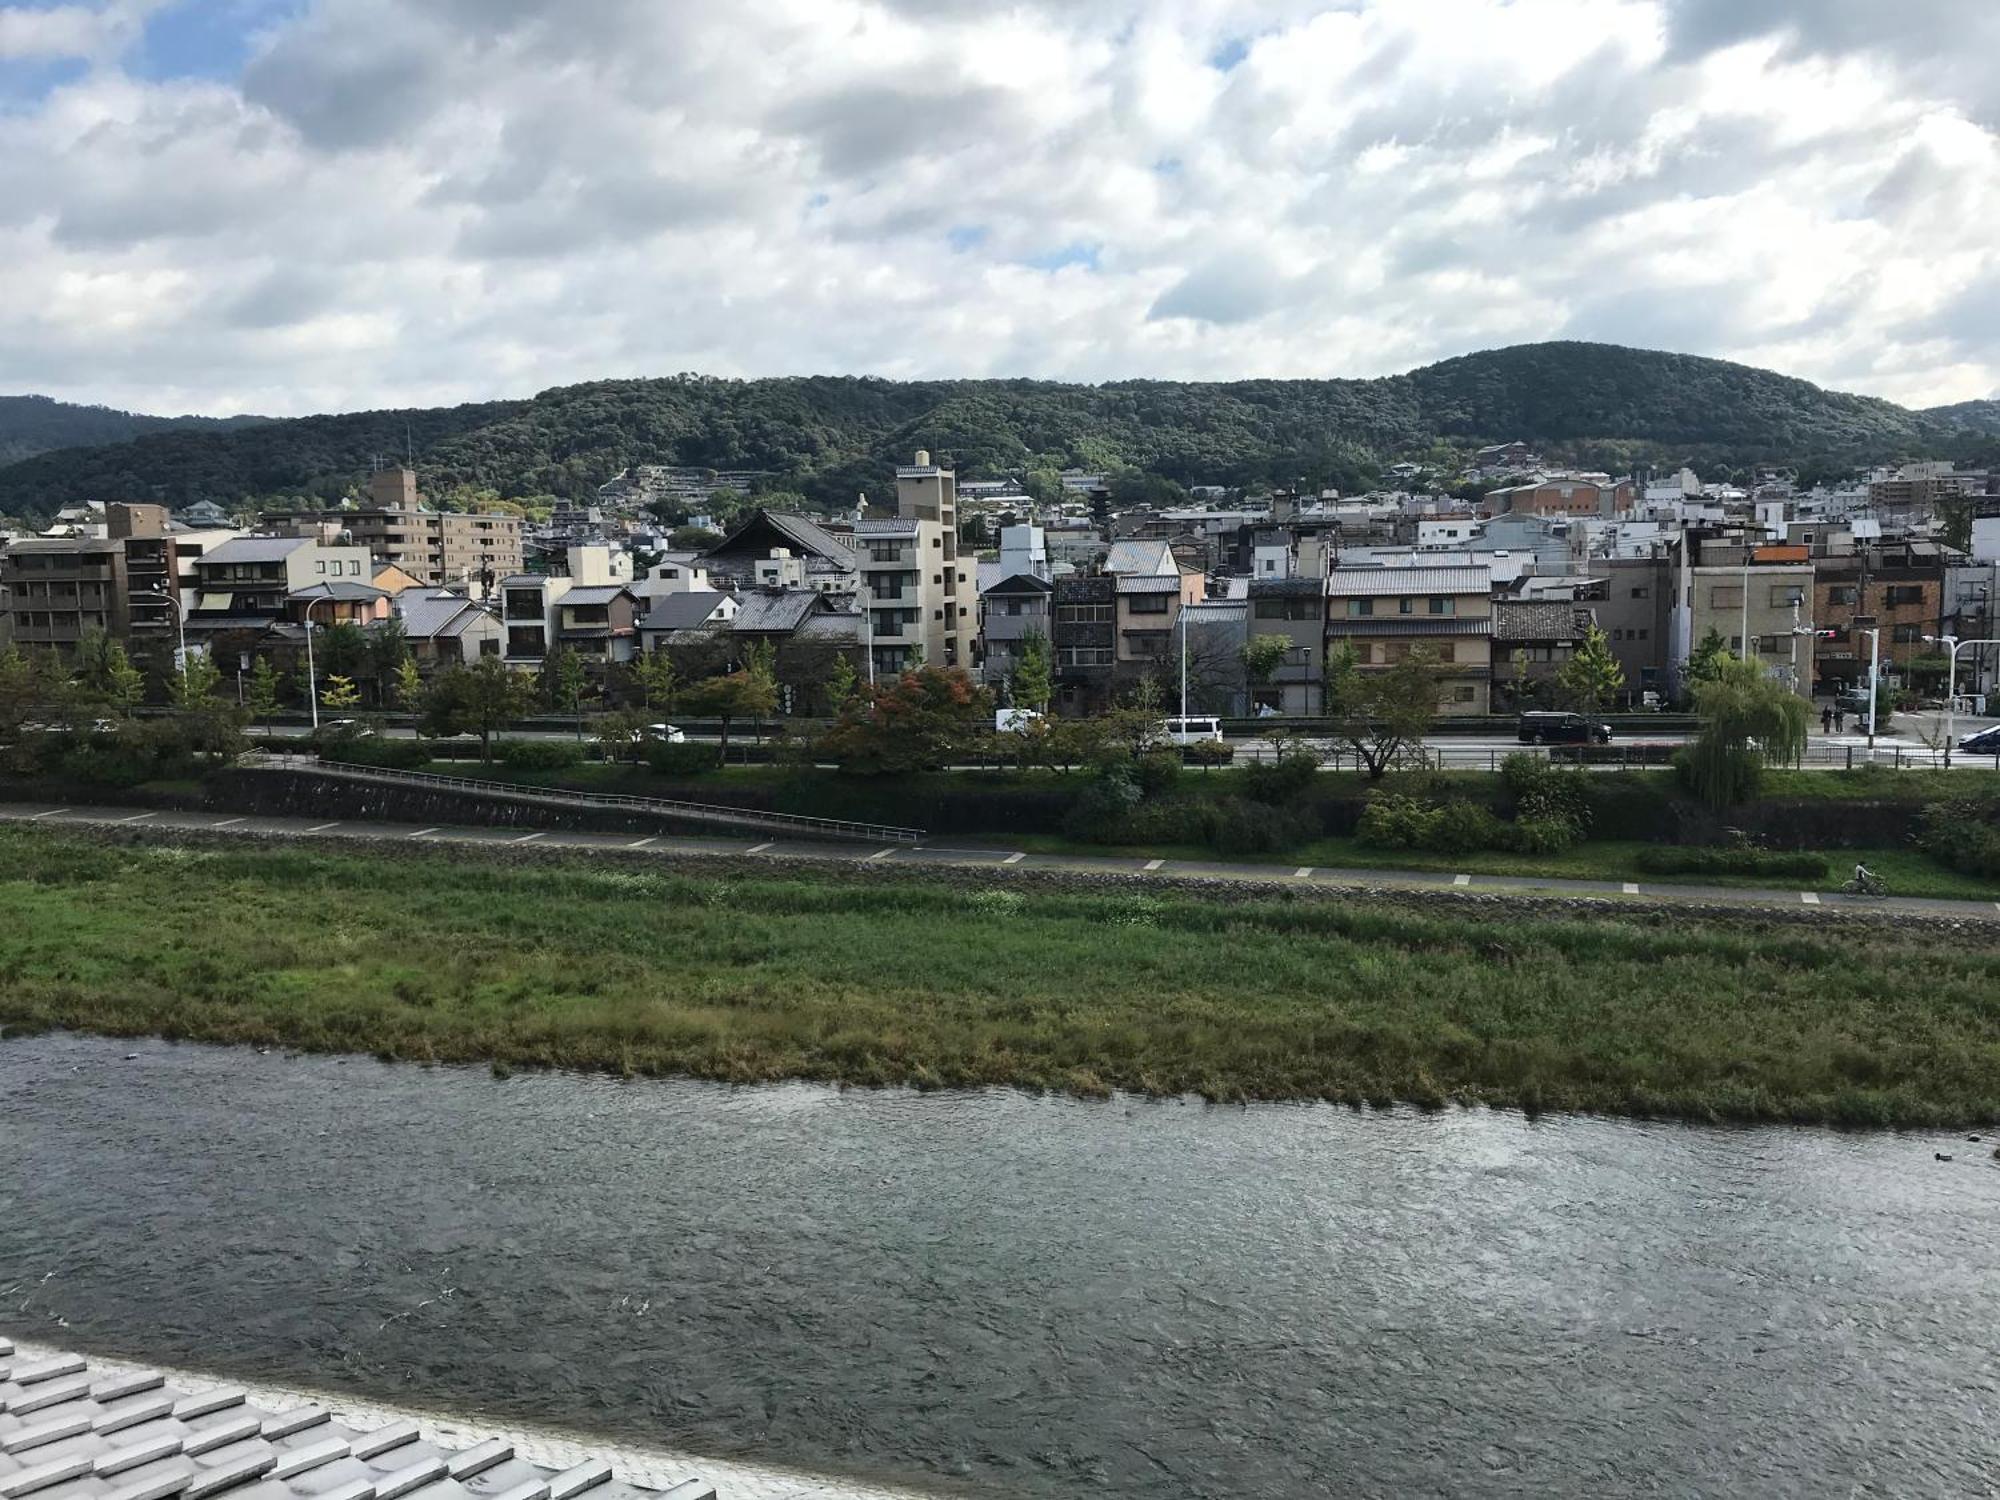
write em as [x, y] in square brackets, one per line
[1561, 729]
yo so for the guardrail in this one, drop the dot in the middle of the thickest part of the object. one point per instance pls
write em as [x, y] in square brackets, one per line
[695, 812]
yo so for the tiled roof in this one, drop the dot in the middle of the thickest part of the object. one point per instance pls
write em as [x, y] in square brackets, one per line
[1287, 588]
[806, 536]
[836, 627]
[765, 610]
[1141, 557]
[1408, 625]
[427, 615]
[1383, 582]
[886, 526]
[1542, 620]
[595, 593]
[1021, 583]
[1149, 583]
[68, 1432]
[347, 592]
[683, 611]
[256, 549]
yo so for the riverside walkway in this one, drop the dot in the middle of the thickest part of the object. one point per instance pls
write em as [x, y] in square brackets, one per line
[944, 852]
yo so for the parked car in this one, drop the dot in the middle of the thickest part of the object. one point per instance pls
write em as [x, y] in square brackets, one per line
[1985, 742]
[666, 734]
[1544, 728]
[1187, 731]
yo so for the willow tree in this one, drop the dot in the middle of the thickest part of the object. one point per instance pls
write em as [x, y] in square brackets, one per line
[1748, 719]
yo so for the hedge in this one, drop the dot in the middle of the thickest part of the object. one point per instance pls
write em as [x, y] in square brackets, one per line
[1667, 859]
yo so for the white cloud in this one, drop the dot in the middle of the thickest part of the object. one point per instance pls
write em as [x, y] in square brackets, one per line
[440, 200]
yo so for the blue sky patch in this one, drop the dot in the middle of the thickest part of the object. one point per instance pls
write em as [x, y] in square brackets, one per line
[1077, 254]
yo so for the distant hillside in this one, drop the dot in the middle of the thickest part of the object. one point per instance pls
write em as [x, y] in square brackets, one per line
[38, 424]
[831, 436]
[1979, 416]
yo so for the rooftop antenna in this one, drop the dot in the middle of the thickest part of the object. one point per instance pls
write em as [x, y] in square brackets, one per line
[409, 458]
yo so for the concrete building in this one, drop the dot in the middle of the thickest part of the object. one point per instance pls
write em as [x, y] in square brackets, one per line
[1385, 613]
[433, 547]
[1085, 636]
[1532, 641]
[1294, 609]
[1013, 609]
[934, 584]
[1632, 599]
[1563, 497]
[1730, 585]
[60, 589]
[1899, 588]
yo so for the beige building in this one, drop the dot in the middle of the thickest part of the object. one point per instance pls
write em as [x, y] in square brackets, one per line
[431, 546]
[919, 595]
[1729, 587]
[1386, 613]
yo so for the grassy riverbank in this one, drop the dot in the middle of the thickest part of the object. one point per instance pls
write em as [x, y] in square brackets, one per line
[918, 978]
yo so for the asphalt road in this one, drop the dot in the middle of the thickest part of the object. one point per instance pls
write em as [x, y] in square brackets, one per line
[781, 851]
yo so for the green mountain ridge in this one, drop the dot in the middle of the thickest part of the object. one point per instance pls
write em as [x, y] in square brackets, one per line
[30, 425]
[830, 436]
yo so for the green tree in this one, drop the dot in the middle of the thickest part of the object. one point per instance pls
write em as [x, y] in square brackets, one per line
[692, 538]
[1748, 720]
[388, 651]
[1705, 662]
[739, 695]
[1382, 716]
[658, 680]
[260, 690]
[106, 675]
[341, 650]
[196, 686]
[563, 680]
[339, 693]
[1262, 656]
[620, 735]
[1034, 675]
[409, 685]
[1592, 675]
[841, 683]
[20, 689]
[479, 699]
[921, 721]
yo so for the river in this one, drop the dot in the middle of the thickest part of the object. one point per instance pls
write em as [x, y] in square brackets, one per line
[1003, 1294]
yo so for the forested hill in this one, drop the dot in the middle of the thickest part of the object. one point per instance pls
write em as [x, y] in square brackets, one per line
[830, 436]
[37, 424]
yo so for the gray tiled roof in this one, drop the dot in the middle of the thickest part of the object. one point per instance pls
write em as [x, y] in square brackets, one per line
[256, 549]
[1383, 582]
[886, 526]
[1409, 625]
[1545, 620]
[768, 610]
[595, 593]
[346, 591]
[683, 611]
[67, 1433]
[1149, 583]
[426, 615]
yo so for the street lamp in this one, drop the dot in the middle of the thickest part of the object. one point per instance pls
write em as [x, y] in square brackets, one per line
[312, 680]
[1874, 634]
[1953, 645]
[180, 626]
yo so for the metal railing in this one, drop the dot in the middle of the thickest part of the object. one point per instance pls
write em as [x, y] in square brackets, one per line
[694, 812]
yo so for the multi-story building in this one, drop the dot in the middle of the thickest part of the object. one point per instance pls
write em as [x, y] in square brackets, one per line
[1295, 609]
[941, 593]
[1898, 589]
[1564, 497]
[824, 561]
[1013, 609]
[1632, 599]
[528, 615]
[1532, 640]
[1754, 596]
[1217, 631]
[60, 589]
[243, 586]
[1384, 614]
[433, 547]
[1085, 635]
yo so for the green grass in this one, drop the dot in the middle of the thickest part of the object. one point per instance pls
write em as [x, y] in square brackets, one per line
[885, 977]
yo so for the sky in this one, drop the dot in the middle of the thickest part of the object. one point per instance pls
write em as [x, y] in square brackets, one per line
[286, 206]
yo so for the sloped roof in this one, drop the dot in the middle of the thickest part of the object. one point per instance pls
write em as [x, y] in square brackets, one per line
[685, 610]
[1359, 582]
[1409, 625]
[1020, 583]
[1141, 556]
[426, 614]
[347, 592]
[596, 593]
[256, 549]
[807, 536]
[835, 626]
[1539, 620]
[886, 526]
[1294, 587]
[1149, 583]
[771, 611]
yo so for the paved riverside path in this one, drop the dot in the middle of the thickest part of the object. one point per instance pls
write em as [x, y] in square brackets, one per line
[945, 850]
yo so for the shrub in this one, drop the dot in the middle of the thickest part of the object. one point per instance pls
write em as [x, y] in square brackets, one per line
[1283, 780]
[539, 755]
[401, 755]
[1540, 835]
[685, 759]
[1099, 815]
[1157, 771]
[1392, 821]
[1239, 826]
[1960, 836]
[1551, 807]
[1207, 753]
[1682, 859]
[1461, 827]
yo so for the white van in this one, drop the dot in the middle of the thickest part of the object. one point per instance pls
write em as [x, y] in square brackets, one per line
[1190, 730]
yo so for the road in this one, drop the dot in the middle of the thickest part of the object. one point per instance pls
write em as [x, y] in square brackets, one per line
[967, 855]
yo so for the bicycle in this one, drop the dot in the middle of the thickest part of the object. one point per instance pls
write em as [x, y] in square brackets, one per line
[1870, 886]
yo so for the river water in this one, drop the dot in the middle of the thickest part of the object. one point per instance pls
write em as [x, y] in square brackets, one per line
[1010, 1295]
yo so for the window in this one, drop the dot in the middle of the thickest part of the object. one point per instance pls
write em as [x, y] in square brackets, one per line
[1618, 633]
[1729, 596]
[937, 614]
[1773, 645]
[1440, 605]
[1083, 614]
[1784, 595]
[1907, 634]
[320, 567]
[1360, 608]
[1084, 656]
[1840, 593]
[1905, 593]
[1148, 604]
[1406, 606]
[1640, 591]
[1464, 693]
[1641, 632]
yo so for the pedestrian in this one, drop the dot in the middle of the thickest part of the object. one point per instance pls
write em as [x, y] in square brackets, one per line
[1826, 719]
[1840, 721]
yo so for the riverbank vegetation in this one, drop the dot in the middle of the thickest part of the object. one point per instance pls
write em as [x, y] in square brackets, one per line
[917, 977]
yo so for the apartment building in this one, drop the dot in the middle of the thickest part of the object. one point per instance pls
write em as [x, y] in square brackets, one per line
[1386, 613]
[433, 547]
[1563, 497]
[1018, 606]
[1898, 588]
[60, 589]
[244, 585]
[1632, 599]
[917, 555]
[1294, 609]
[1532, 641]
[1084, 624]
[1752, 596]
